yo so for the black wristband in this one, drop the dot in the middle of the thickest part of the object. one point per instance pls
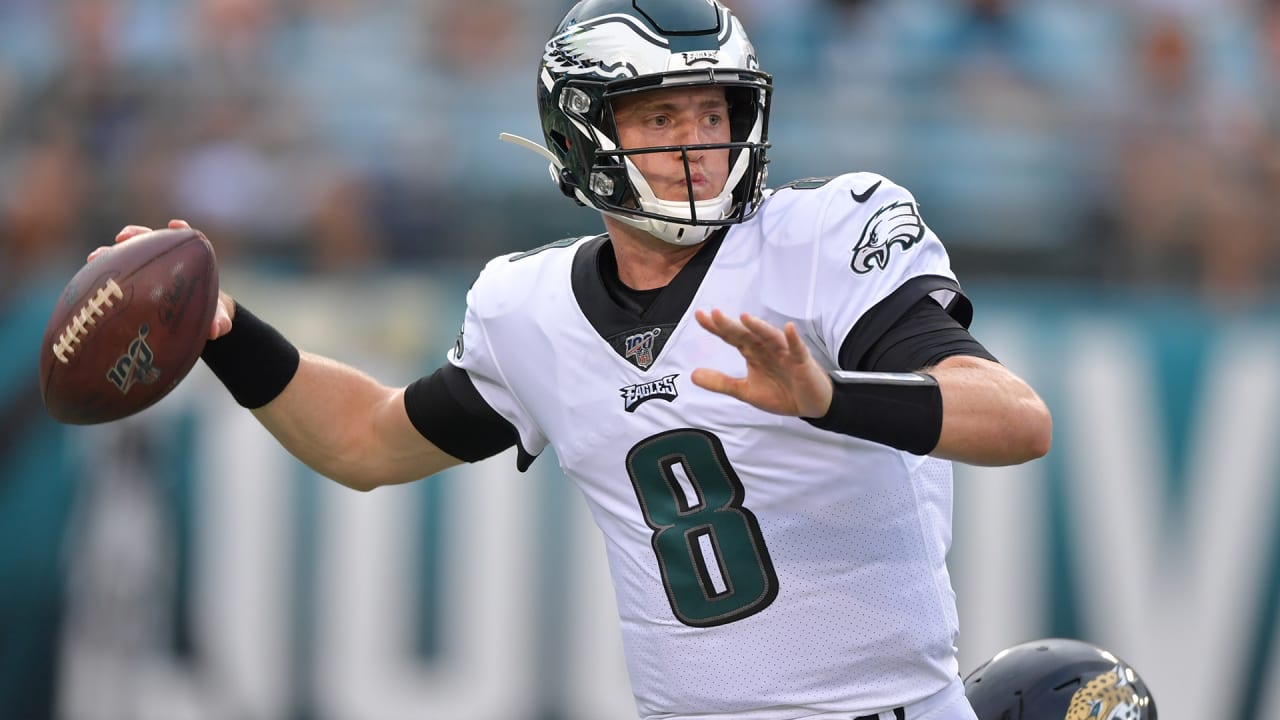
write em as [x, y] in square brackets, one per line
[901, 410]
[254, 360]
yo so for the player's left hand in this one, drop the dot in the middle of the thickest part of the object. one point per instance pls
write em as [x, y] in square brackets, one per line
[782, 377]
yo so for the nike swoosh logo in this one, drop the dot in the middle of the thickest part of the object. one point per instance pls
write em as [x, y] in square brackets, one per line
[866, 195]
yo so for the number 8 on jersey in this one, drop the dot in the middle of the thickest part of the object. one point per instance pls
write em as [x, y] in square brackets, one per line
[684, 533]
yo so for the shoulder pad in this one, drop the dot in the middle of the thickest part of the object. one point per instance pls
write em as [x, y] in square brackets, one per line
[507, 281]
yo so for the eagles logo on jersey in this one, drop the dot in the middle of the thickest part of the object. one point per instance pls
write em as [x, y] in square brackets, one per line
[896, 225]
[459, 345]
[664, 388]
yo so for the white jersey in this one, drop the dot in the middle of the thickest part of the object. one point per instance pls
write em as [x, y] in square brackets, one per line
[764, 568]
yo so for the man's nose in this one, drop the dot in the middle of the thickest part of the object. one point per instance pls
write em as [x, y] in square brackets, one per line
[692, 134]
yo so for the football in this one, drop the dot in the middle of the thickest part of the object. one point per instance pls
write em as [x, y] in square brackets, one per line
[128, 327]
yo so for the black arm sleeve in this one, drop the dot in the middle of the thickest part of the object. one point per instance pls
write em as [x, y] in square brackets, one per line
[448, 410]
[922, 338]
[910, 330]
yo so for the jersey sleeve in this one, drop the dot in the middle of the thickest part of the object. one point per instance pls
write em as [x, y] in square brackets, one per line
[473, 353]
[861, 243]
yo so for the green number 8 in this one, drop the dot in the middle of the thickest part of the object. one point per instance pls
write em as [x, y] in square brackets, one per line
[704, 536]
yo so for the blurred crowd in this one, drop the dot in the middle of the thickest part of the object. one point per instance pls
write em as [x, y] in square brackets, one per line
[1125, 142]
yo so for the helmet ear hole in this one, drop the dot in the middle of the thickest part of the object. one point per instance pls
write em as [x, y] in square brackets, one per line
[561, 142]
[742, 111]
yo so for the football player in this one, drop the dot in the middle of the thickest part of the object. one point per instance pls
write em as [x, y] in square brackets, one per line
[758, 391]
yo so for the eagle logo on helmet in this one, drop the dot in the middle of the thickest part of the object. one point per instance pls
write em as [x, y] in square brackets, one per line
[605, 47]
[1109, 696]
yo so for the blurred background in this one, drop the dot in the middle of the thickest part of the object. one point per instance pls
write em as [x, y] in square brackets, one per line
[1105, 174]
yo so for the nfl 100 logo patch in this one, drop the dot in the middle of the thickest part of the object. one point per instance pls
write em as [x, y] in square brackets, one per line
[639, 348]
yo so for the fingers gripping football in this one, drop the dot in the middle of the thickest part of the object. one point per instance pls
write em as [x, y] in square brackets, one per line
[782, 377]
[225, 309]
[129, 325]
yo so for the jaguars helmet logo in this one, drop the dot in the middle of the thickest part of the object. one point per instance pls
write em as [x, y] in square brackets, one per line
[1109, 696]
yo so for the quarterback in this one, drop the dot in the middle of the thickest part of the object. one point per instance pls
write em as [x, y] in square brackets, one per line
[759, 391]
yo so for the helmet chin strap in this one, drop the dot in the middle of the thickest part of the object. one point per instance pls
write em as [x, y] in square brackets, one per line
[676, 233]
[670, 231]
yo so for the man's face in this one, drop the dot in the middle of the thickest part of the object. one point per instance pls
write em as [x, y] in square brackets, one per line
[677, 116]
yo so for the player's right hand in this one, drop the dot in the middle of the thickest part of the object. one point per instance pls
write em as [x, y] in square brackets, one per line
[226, 306]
